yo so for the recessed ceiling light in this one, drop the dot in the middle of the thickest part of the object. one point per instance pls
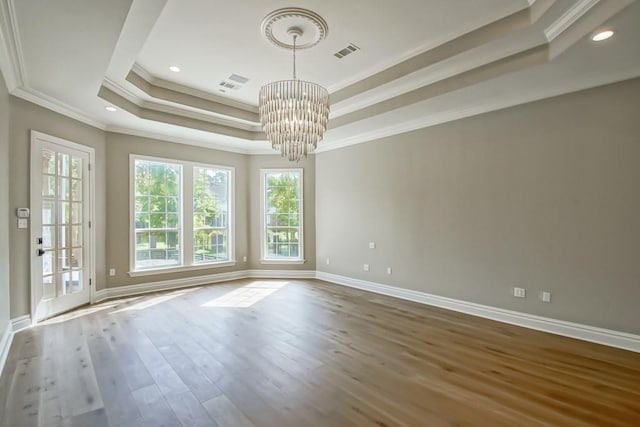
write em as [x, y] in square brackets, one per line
[110, 108]
[602, 35]
[175, 68]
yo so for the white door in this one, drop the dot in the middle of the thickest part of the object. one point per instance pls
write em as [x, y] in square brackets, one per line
[60, 225]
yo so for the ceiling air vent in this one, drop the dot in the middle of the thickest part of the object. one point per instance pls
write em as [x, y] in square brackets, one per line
[228, 85]
[234, 82]
[238, 79]
[346, 51]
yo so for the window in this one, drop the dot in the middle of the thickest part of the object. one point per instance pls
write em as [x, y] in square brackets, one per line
[282, 216]
[170, 233]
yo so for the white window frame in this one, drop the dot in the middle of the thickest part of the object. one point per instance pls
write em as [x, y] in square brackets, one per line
[263, 218]
[186, 218]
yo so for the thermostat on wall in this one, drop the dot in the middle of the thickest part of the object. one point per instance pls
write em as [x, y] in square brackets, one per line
[22, 212]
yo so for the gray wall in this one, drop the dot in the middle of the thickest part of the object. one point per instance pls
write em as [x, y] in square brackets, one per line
[309, 198]
[247, 220]
[544, 196]
[25, 117]
[5, 212]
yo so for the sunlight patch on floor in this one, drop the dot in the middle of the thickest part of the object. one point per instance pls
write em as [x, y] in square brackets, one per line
[85, 311]
[247, 295]
[155, 301]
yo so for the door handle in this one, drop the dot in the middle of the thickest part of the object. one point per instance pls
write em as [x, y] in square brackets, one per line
[41, 252]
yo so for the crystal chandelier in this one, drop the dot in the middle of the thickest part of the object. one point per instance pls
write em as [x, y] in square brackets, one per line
[294, 113]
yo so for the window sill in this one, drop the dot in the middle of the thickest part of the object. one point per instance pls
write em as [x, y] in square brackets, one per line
[168, 270]
[283, 261]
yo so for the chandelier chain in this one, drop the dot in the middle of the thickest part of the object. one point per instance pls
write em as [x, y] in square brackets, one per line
[295, 37]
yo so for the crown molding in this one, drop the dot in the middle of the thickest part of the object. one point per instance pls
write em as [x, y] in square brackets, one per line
[485, 107]
[11, 57]
[57, 106]
[154, 82]
[204, 142]
[569, 18]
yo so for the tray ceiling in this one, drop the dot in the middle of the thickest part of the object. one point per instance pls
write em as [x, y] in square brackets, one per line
[418, 63]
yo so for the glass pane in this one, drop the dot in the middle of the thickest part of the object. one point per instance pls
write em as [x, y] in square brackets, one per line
[76, 281]
[64, 213]
[64, 189]
[76, 190]
[142, 220]
[142, 204]
[48, 162]
[63, 164]
[66, 283]
[76, 235]
[172, 220]
[76, 213]
[48, 287]
[62, 236]
[210, 245]
[76, 258]
[48, 237]
[48, 212]
[63, 261]
[158, 220]
[48, 185]
[47, 263]
[76, 167]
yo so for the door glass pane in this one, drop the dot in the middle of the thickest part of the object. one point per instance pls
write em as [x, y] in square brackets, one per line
[64, 189]
[63, 164]
[76, 258]
[76, 167]
[76, 235]
[48, 162]
[76, 189]
[48, 237]
[48, 212]
[76, 282]
[62, 236]
[48, 287]
[64, 213]
[47, 263]
[76, 213]
[48, 185]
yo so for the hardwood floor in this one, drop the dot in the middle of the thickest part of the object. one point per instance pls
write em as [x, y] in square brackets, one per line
[305, 353]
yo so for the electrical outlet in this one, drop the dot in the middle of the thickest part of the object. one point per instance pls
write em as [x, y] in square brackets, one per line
[519, 292]
[327, 261]
[244, 259]
[388, 270]
[23, 223]
[372, 245]
[365, 267]
[112, 272]
[545, 296]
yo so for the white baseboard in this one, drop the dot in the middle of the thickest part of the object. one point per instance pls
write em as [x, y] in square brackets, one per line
[281, 274]
[5, 345]
[20, 323]
[559, 327]
[128, 290]
[14, 325]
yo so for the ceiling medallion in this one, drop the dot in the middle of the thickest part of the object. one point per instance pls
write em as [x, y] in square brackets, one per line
[276, 25]
[294, 113]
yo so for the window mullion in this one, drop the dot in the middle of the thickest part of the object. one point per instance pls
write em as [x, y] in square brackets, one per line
[187, 215]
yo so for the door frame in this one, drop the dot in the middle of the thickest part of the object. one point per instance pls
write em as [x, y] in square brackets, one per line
[35, 167]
